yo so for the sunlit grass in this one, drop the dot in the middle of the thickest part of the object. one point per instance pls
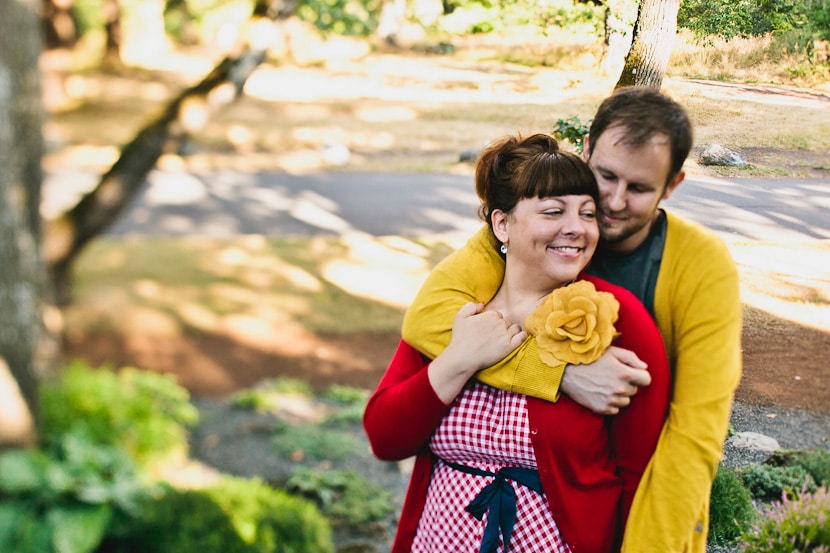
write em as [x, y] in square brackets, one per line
[764, 59]
[247, 285]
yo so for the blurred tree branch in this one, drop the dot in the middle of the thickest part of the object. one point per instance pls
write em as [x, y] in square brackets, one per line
[189, 112]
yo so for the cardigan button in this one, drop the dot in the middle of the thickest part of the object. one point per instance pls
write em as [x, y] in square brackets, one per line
[534, 431]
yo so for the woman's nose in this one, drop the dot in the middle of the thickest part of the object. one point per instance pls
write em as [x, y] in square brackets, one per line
[573, 225]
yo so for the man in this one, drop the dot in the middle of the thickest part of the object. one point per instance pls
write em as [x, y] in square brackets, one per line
[684, 274]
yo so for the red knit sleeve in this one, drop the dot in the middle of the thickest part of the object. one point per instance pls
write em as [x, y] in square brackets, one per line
[404, 410]
[635, 431]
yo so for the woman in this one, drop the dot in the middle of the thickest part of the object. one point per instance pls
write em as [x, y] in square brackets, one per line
[496, 470]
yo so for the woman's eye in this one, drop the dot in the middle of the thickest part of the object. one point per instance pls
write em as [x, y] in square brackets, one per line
[553, 212]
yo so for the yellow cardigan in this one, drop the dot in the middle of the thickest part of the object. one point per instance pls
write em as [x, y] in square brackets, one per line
[698, 310]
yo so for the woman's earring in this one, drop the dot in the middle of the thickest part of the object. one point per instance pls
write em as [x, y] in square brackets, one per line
[503, 249]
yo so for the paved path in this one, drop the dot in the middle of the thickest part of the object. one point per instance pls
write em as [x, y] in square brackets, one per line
[225, 203]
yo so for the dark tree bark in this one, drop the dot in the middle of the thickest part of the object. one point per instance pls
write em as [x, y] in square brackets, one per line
[112, 26]
[67, 235]
[22, 362]
[60, 24]
[654, 32]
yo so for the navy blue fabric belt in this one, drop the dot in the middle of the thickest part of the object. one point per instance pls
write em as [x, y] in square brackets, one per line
[500, 497]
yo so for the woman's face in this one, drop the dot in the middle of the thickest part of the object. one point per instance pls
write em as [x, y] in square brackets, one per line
[550, 240]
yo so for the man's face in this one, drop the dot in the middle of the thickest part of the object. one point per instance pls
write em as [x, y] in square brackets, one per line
[632, 182]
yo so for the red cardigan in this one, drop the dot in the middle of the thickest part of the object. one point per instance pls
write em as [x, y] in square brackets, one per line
[589, 464]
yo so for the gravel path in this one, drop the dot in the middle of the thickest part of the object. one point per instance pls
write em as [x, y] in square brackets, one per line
[793, 429]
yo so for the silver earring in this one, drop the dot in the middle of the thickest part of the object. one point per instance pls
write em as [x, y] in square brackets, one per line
[503, 249]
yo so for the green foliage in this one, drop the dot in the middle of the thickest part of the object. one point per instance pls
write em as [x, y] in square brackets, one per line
[730, 18]
[730, 508]
[791, 526]
[64, 498]
[145, 413]
[345, 417]
[342, 17]
[815, 461]
[486, 16]
[769, 482]
[266, 396]
[586, 15]
[346, 395]
[573, 130]
[234, 515]
[344, 496]
[89, 14]
[349, 404]
[315, 443]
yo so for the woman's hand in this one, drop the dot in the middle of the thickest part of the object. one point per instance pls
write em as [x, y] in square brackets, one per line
[479, 340]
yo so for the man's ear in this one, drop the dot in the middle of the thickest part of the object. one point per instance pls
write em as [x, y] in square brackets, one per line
[673, 184]
[586, 148]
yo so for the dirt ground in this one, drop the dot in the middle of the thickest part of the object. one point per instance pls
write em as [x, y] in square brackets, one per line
[785, 362]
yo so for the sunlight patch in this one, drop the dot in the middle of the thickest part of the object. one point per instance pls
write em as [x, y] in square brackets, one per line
[382, 284]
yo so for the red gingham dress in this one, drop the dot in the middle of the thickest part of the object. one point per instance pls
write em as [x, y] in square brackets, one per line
[486, 428]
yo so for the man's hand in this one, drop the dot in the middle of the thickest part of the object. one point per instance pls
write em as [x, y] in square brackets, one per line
[606, 386]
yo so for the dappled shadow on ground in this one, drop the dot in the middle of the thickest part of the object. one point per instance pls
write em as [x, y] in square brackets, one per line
[785, 363]
[215, 366]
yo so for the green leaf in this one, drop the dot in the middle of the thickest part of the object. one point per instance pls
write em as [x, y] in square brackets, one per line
[79, 529]
[22, 470]
[9, 513]
[58, 478]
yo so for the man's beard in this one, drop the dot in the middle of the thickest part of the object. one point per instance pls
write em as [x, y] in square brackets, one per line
[619, 232]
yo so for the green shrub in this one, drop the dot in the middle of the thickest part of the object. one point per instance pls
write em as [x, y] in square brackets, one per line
[769, 482]
[731, 510]
[315, 443]
[342, 17]
[344, 496]
[235, 515]
[815, 461]
[346, 395]
[265, 396]
[349, 404]
[807, 20]
[345, 417]
[146, 414]
[63, 499]
[573, 130]
[793, 526]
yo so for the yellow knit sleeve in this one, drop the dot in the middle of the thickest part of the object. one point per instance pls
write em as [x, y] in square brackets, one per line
[699, 312]
[523, 372]
[473, 274]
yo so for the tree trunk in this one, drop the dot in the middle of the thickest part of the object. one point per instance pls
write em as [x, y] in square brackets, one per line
[66, 236]
[620, 16]
[21, 286]
[654, 32]
[59, 23]
[112, 26]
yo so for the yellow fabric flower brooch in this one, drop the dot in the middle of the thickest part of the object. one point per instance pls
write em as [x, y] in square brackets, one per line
[574, 324]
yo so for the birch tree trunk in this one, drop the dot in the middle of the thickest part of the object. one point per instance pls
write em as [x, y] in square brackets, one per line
[21, 284]
[654, 32]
